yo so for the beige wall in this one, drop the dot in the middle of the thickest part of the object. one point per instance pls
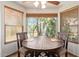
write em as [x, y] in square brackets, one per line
[53, 10]
[10, 48]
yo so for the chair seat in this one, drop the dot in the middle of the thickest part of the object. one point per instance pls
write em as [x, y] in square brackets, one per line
[22, 50]
[62, 51]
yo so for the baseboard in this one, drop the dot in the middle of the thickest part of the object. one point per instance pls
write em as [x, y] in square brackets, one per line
[12, 54]
[73, 54]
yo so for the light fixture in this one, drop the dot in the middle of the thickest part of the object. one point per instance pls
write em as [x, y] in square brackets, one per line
[42, 3]
[43, 6]
[36, 3]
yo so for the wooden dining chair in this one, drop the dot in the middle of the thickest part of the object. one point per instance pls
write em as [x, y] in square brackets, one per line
[20, 37]
[64, 38]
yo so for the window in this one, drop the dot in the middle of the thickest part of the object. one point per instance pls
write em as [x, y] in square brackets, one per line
[13, 23]
[37, 26]
[69, 23]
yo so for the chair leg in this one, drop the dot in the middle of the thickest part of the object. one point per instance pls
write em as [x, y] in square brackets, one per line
[66, 54]
[37, 53]
[18, 54]
[25, 54]
[32, 53]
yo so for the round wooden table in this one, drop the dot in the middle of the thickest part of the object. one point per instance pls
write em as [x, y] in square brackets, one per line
[42, 43]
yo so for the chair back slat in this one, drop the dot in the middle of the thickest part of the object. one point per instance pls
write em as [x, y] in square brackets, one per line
[64, 38]
[20, 37]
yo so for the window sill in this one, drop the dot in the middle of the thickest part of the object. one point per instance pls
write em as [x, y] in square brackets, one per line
[10, 42]
[74, 42]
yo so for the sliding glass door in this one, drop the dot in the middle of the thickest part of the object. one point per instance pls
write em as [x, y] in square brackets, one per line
[37, 26]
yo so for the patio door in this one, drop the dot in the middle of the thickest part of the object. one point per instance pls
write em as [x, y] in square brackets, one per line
[37, 26]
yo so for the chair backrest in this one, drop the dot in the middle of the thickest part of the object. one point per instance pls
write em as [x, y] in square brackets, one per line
[63, 37]
[20, 37]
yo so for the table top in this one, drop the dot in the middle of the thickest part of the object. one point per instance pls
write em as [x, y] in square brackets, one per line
[42, 43]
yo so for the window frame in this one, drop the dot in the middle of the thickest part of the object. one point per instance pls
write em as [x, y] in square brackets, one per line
[11, 25]
[61, 22]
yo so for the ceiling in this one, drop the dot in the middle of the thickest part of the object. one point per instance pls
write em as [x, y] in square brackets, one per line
[30, 5]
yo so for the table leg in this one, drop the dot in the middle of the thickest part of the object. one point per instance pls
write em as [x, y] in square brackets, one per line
[37, 53]
[32, 54]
